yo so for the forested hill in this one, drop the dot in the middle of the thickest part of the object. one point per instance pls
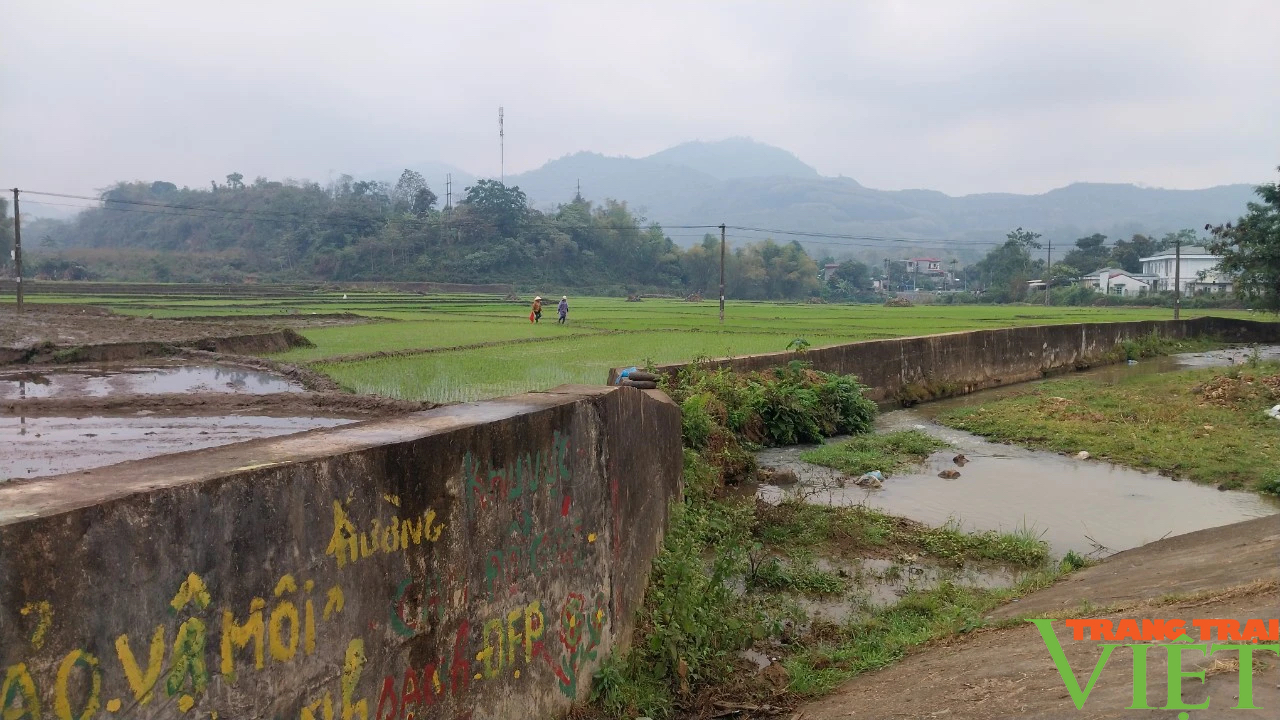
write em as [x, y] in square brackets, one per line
[273, 231]
[741, 182]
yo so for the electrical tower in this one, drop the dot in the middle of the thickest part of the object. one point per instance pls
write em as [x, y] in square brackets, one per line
[502, 151]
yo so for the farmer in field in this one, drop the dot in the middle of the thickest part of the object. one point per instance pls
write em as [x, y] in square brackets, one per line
[536, 315]
[563, 309]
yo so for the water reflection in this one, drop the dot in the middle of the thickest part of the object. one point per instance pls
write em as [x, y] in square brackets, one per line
[109, 381]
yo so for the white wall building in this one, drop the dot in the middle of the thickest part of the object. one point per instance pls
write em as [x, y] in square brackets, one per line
[1114, 281]
[1199, 271]
[1119, 282]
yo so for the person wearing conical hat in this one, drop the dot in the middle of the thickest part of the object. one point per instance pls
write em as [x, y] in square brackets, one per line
[537, 308]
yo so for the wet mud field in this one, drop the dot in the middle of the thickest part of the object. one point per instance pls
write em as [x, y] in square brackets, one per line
[67, 416]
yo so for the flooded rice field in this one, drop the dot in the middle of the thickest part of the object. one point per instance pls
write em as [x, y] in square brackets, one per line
[107, 381]
[70, 419]
[1087, 506]
[39, 446]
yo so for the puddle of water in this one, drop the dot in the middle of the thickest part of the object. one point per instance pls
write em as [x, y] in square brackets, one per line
[35, 447]
[878, 583]
[1072, 504]
[108, 381]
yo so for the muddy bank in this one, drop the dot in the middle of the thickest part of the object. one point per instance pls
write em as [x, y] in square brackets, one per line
[301, 374]
[38, 336]
[310, 404]
[1229, 572]
[41, 446]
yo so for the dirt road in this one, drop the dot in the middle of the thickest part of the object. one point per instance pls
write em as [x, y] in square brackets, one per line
[1231, 572]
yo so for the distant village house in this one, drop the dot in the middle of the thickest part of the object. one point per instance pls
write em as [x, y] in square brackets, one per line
[1199, 271]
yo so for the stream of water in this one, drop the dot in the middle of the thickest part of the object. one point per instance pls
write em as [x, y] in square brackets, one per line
[1082, 505]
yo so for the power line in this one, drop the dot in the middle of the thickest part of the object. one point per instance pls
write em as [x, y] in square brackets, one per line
[880, 238]
[332, 219]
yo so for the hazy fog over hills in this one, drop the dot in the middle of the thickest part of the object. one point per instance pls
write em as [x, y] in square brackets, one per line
[743, 182]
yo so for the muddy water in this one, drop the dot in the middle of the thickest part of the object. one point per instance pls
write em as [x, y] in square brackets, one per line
[112, 381]
[35, 447]
[881, 582]
[1081, 505]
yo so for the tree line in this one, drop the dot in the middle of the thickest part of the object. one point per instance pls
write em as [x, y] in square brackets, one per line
[273, 231]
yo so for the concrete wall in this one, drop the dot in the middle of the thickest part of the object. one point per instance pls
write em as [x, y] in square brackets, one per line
[473, 561]
[962, 362]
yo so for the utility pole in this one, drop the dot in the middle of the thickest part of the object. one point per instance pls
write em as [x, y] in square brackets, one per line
[722, 274]
[1178, 274]
[502, 150]
[885, 287]
[1048, 269]
[17, 247]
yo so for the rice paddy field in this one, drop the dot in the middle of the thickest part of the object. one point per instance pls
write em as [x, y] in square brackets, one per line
[456, 348]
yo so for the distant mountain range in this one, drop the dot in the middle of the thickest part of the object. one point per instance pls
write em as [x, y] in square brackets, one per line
[747, 183]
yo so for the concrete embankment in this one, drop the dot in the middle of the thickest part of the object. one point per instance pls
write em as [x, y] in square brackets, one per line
[476, 560]
[932, 366]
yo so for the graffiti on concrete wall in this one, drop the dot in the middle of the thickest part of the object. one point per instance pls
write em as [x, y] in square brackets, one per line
[176, 661]
[483, 609]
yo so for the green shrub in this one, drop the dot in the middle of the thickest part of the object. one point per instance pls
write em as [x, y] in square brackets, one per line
[695, 423]
[1074, 561]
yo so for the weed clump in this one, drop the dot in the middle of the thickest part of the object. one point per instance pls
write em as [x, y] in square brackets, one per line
[1270, 486]
[782, 406]
[884, 452]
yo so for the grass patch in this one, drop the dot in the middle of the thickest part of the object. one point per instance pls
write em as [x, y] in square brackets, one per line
[885, 452]
[1203, 425]
[888, 634]
[799, 574]
[860, 531]
[1154, 344]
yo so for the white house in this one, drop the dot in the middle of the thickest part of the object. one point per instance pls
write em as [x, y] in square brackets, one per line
[1199, 271]
[1098, 278]
[1116, 281]
[1119, 282]
[925, 266]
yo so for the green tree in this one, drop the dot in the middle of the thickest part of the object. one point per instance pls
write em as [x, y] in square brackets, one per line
[1006, 269]
[1128, 254]
[405, 194]
[1089, 254]
[502, 208]
[235, 181]
[1250, 249]
[1025, 239]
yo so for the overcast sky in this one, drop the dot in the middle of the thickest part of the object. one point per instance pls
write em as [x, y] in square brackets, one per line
[962, 97]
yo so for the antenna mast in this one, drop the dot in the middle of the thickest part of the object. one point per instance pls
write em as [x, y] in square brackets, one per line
[502, 151]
